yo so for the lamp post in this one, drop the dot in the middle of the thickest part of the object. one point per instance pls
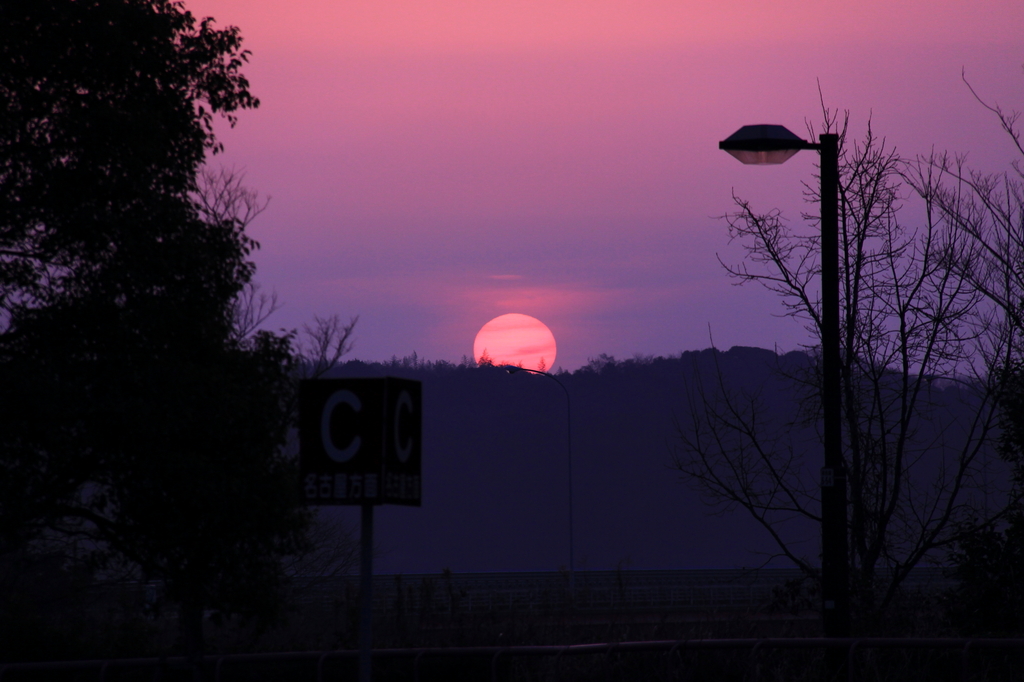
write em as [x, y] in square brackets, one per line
[512, 369]
[774, 144]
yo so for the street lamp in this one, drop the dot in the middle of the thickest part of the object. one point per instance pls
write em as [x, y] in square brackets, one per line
[774, 144]
[512, 369]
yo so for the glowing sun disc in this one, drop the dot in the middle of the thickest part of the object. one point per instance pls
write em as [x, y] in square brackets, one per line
[515, 339]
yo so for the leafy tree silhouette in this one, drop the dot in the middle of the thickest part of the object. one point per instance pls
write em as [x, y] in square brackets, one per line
[134, 413]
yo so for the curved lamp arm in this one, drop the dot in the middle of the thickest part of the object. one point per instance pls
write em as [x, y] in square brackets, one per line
[512, 369]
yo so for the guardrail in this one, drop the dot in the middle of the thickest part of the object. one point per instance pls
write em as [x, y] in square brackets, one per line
[596, 591]
[672, 650]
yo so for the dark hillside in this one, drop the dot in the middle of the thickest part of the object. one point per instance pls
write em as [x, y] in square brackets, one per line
[495, 474]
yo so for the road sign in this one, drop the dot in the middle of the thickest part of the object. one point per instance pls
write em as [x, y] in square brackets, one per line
[360, 441]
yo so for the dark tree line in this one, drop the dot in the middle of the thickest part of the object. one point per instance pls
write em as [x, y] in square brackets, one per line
[987, 209]
[140, 416]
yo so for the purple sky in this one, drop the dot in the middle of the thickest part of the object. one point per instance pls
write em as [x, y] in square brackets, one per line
[432, 165]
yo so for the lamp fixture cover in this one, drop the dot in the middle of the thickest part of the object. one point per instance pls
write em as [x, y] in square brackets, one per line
[763, 144]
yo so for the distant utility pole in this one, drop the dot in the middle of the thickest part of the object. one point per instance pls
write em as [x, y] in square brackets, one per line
[512, 369]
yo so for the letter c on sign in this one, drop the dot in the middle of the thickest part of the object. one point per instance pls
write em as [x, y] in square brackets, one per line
[403, 450]
[352, 400]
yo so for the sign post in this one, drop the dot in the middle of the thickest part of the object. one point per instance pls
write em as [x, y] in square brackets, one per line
[360, 444]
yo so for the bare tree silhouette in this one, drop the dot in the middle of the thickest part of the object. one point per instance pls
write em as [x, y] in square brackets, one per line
[913, 323]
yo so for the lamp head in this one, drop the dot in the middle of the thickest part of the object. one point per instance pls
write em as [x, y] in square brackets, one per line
[763, 144]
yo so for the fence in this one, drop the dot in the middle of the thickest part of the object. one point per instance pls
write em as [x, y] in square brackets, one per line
[223, 667]
[595, 591]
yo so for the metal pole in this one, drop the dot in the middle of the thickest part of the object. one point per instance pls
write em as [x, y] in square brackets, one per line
[366, 595]
[568, 438]
[835, 585]
[511, 369]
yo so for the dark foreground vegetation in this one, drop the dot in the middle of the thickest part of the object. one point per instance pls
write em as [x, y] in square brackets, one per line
[714, 639]
[148, 499]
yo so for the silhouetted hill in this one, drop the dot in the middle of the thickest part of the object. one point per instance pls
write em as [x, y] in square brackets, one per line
[495, 490]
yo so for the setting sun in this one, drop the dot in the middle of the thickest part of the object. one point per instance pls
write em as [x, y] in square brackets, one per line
[515, 339]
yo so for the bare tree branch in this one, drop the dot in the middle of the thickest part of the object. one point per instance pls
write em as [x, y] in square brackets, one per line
[917, 316]
[251, 308]
[324, 343]
[221, 196]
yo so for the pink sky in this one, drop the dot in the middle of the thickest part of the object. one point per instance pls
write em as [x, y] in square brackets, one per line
[432, 165]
